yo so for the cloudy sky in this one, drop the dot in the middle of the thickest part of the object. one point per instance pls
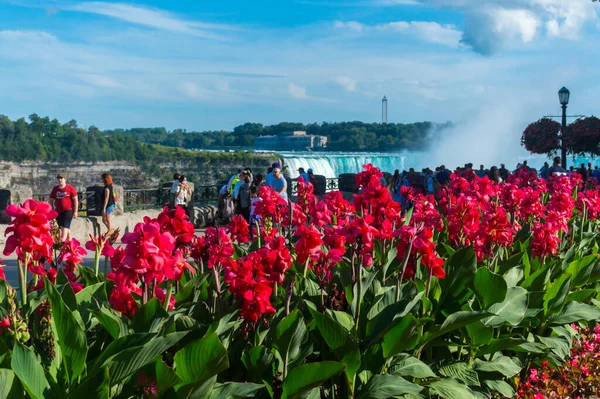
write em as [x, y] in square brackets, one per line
[216, 64]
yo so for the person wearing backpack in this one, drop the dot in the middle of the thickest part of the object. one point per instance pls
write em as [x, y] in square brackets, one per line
[243, 197]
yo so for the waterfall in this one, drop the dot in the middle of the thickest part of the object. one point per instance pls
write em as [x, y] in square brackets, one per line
[331, 164]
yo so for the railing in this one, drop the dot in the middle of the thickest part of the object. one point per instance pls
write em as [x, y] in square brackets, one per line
[206, 194]
[81, 205]
[331, 184]
[145, 198]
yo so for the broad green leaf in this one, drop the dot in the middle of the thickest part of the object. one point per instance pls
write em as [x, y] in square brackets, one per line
[365, 285]
[234, 390]
[511, 310]
[503, 365]
[462, 372]
[391, 257]
[490, 288]
[479, 334]
[290, 333]
[498, 345]
[257, 360]
[453, 322]
[70, 333]
[581, 295]
[500, 386]
[97, 386]
[404, 335]
[303, 378]
[88, 298]
[150, 317]
[574, 312]
[201, 360]
[460, 270]
[412, 367]
[198, 390]
[514, 276]
[165, 376]
[556, 295]
[117, 346]
[381, 322]
[559, 345]
[345, 319]
[113, 321]
[338, 339]
[10, 388]
[384, 386]
[449, 388]
[132, 360]
[30, 372]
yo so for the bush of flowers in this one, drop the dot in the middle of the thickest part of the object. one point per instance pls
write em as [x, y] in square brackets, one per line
[584, 136]
[542, 137]
[459, 296]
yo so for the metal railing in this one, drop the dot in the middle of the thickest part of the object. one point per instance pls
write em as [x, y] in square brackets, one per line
[331, 184]
[81, 205]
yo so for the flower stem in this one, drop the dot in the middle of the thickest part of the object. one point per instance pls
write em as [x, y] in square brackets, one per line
[401, 278]
[23, 281]
[96, 262]
[105, 265]
[218, 288]
[169, 293]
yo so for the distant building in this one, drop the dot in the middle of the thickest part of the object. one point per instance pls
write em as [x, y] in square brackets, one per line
[296, 140]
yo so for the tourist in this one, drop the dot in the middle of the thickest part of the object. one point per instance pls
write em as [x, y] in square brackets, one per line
[279, 184]
[494, 175]
[443, 176]
[108, 200]
[271, 174]
[64, 200]
[583, 172]
[596, 173]
[243, 197]
[254, 218]
[571, 171]
[544, 170]
[303, 175]
[233, 181]
[258, 181]
[395, 179]
[429, 189]
[556, 169]
[174, 190]
[183, 193]
[503, 172]
[312, 177]
[481, 172]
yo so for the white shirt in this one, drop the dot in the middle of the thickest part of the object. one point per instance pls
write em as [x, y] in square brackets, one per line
[175, 187]
[181, 198]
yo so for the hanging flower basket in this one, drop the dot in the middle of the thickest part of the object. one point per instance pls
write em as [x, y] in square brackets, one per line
[542, 137]
[583, 136]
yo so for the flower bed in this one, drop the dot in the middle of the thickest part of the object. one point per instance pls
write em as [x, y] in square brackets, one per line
[457, 296]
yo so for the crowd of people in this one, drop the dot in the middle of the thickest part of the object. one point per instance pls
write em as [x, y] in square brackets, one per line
[65, 201]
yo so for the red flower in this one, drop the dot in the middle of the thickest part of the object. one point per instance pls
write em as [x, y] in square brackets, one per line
[238, 229]
[310, 241]
[2, 276]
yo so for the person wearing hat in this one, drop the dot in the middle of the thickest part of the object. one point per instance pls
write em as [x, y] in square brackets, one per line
[311, 177]
[303, 175]
[63, 199]
[279, 184]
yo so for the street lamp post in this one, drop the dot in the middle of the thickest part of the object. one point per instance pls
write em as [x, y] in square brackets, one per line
[563, 97]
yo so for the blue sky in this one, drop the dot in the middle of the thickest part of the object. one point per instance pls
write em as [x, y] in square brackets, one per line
[213, 65]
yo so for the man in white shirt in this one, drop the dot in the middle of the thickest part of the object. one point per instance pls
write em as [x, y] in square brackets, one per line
[174, 189]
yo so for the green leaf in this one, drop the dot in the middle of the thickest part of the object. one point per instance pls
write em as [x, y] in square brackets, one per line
[460, 270]
[30, 373]
[503, 365]
[150, 317]
[581, 295]
[513, 276]
[234, 390]
[412, 367]
[404, 335]
[391, 257]
[453, 322]
[165, 376]
[257, 360]
[70, 333]
[511, 310]
[449, 388]
[384, 386]
[10, 388]
[338, 339]
[574, 312]
[366, 283]
[201, 360]
[290, 333]
[303, 378]
[88, 298]
[559, 345]
[500, 386]
[113, 321]
[131, 360]
[116, 347]
[497, 345]
[489, 288]
[97, 386]
[392, 310]
[462, 372]
[556, 295]
[479, 334]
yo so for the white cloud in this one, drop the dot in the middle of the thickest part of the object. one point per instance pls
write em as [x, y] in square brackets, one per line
[101, 81]
[297, 91]
[493, 25]
[431, 32]
[347, 83]
[149, 17]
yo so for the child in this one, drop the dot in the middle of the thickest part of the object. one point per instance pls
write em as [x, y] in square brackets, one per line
[254, 219]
